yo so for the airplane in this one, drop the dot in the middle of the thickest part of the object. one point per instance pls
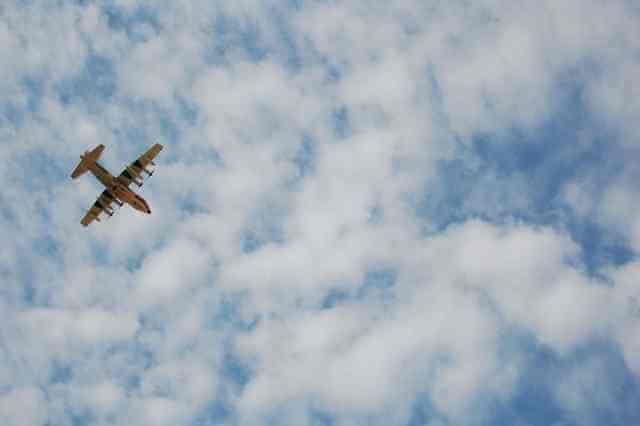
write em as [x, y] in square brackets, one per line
[117, 186]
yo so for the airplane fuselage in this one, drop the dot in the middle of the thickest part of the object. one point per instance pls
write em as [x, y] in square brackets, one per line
[118, 188]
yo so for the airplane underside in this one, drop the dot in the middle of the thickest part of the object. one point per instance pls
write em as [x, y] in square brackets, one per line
[119, 193]
[117, 187]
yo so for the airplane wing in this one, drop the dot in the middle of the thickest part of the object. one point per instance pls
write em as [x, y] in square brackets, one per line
[102, 204]
[133, 170]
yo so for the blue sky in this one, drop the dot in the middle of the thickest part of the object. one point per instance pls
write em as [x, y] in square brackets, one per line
[398, 213]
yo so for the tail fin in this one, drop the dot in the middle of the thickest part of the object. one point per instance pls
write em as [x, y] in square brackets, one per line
[87, 160]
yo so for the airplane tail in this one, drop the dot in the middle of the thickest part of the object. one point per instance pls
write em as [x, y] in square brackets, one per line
[87, 160]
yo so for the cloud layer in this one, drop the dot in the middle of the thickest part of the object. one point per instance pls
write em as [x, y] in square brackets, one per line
[407, 213]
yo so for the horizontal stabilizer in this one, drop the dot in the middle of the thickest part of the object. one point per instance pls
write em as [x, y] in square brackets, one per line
[87, 160]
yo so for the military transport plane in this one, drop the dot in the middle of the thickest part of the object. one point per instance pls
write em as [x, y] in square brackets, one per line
[117, 187]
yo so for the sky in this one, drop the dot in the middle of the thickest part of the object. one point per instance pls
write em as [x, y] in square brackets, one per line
[400, 212]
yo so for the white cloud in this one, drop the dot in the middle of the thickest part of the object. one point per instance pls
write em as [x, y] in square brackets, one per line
[156, 319]
[627, 317]
[23, 406]
[170, 272]
[188, 381]
[104, 400]
[372, 359]
[88, 326]
[158, 412]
